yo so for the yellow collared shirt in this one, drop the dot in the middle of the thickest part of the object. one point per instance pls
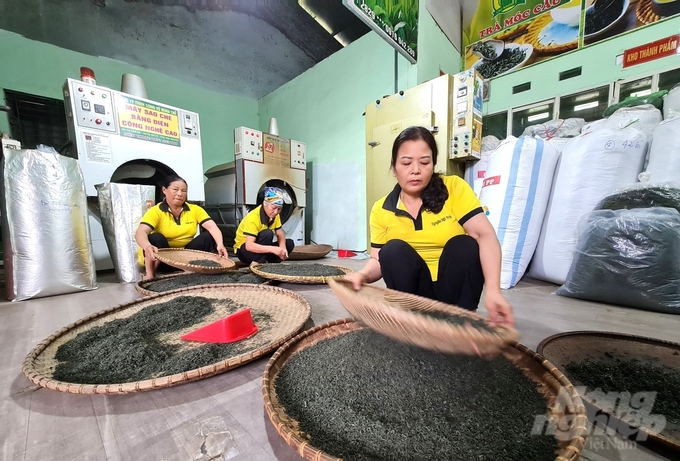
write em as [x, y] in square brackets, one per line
[428, 232]
[255, 222]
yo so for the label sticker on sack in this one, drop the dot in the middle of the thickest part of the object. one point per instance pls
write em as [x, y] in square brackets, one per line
[493, 180]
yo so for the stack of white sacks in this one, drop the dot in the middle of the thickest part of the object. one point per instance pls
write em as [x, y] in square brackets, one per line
[534, 191]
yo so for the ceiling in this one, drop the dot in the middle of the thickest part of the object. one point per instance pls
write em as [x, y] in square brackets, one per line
[239, 47]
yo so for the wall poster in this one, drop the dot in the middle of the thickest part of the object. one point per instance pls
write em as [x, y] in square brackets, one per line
[501, 36]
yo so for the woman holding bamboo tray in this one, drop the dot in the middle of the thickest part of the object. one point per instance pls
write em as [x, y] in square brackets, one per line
[430, 236]
[173, 224]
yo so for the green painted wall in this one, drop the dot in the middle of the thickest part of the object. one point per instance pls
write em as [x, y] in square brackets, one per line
[323, 107]
[598, 64]
[435, 51]
[39, 68]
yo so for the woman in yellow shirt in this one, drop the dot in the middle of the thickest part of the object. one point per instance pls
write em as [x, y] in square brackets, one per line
[173, 224]
[430, 236]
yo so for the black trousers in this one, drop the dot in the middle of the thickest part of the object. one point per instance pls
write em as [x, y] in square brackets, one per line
[203, 241]
[460, 279]
[266, 237]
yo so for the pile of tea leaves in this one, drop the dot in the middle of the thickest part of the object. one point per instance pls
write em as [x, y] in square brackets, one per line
[302, 270]
[508, 59]
[129, 349]
[205, 263]
[484, 49]
[613, 374]
[194, 279]
[458, 320]
[363, 397]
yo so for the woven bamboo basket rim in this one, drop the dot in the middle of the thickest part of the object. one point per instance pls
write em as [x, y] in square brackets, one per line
[142, 285]
[644, 13]
[292, 312]
[394, 314]
[544, 347]
[550, 380]
[180, 257]
[306, 252]
[307, 280]
[534, 31]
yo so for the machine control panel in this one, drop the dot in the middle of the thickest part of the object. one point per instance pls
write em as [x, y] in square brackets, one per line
[189, 123]
[93, 106]
[298, 155]
[248, 144]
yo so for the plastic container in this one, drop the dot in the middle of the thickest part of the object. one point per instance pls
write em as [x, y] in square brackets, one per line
[234, 328]
[346, 254]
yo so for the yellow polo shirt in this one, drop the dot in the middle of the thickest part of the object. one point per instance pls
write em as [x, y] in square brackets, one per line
[179, 232]
[255, 222]
[429, 232]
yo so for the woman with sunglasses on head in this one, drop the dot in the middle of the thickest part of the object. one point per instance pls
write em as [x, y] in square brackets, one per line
[260, 237]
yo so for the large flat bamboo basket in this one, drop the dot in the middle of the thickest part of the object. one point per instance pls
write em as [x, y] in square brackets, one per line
[577, 346]
[308, 252]
[562, 398]
[289, 311]
[143, 285]
[394, 314]
[260, 270]
[181, 258]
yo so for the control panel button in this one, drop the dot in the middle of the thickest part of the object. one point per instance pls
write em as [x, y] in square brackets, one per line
[98, 121]
[85, 105]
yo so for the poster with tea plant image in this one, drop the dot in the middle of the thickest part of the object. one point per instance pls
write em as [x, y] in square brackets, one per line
[394, 20]
[502, 36]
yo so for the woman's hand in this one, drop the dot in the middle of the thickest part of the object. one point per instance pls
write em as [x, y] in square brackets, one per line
[281, 252]
[150, 252]
[357, 279]
[500, 311]
[222, 251]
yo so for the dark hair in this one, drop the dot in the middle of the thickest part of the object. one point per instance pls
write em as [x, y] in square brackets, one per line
[435, 193]
[172, 178]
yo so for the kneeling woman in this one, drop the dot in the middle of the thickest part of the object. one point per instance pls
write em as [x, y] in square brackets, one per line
[173, 224]
[259, 237]
[430, 236]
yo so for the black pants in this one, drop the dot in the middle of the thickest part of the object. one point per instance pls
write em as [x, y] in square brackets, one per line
[203, 241]
[266, 237]
[459, 280]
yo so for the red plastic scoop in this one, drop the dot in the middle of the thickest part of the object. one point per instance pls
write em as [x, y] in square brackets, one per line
[230, 329]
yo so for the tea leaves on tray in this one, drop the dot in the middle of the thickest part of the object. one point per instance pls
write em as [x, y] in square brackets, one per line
[302, 270]
[194, 279]
[128, 349]
[363, 397]
[205, 263]
[632, 375]
[457, 320]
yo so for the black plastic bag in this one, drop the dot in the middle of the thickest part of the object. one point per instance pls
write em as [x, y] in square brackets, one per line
[629, 258]
[643, 195]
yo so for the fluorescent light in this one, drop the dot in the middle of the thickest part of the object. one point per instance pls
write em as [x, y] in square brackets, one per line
[588, 105]
[541, 116]
[311, 12]
[638, 94]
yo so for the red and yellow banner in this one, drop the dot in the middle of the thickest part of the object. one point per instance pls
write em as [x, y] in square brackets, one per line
[651, 51]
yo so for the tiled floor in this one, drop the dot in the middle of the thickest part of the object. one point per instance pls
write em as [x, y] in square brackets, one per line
[223, 417]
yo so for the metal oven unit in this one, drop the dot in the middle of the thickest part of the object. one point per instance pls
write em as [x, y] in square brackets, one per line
[260, 159]
[121, 138]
